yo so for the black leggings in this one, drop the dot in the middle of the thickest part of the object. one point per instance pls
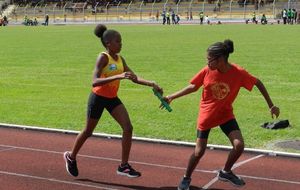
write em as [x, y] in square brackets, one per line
[226, 127]
[97, 104]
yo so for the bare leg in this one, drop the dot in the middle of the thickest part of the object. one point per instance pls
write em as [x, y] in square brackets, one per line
[83, 135]
[196, 156]
[120, 114]
[237, 142]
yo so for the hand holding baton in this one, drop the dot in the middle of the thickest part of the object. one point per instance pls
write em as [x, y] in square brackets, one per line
[163, 102]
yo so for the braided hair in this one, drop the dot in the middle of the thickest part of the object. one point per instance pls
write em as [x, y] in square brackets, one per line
[221, 49]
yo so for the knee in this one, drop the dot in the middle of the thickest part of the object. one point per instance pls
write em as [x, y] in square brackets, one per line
[87, 132]
[127, 128]
[239, 146]
[199, 152]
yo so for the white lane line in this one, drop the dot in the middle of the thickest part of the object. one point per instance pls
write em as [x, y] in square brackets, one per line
[143, 139]
[7, 149]
[104, 158]
[271, 179]
[159, 165]
[54, 180]
[214, 180]
[246, 161]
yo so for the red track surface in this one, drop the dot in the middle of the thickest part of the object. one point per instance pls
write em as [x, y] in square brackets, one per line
[32, 160]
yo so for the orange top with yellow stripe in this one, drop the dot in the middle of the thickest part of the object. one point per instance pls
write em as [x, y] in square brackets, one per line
[113, 67]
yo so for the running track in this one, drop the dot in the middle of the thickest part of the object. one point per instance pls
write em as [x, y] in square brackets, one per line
[33, 160]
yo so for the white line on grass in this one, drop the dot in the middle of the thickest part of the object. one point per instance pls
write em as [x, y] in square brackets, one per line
[54, 180]
[214, 180]
[156, 165]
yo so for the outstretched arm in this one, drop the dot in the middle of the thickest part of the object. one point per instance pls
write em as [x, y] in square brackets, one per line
[273, 109]
[185, 91]
[138, 80]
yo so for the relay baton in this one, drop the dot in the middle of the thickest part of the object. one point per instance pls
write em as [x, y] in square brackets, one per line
[163, 102]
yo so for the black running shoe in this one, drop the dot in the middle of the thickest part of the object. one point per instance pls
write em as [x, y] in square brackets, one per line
[128, 171]
[184, 183]
[231, 177]
[71, 165]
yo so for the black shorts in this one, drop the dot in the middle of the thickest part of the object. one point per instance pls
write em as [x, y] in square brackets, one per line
[227, 128]
[97, 104]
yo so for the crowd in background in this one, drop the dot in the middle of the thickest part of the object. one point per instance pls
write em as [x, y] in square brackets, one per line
[290, 16]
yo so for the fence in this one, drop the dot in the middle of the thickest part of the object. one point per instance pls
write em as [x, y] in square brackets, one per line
[150, 12]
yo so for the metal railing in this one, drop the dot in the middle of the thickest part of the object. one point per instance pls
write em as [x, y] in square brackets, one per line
[139, 11]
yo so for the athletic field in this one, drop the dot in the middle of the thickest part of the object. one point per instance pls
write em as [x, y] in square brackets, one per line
[46, 72]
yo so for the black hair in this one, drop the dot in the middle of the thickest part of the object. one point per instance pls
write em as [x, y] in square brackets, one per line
[104, 34]
[221, 49]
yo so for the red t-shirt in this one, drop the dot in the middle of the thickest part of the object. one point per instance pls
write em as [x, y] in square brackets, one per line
[219, 92]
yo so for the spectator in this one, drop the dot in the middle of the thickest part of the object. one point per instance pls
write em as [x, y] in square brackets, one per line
[219, 6]
[168, 17]
[157, 15]
[289, 16]
[177, 19]
[295, 15]
[5, 20]
[201, 15]
[284, 16]
[206, 20]
[191, 15]
[173, 18]
[263, 19]
[46, 20]
[1, 20]
[254, 18]
[164, 17]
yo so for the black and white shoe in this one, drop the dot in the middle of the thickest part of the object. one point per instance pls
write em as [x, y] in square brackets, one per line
[127, 170]
[71, 165]
[231, 177]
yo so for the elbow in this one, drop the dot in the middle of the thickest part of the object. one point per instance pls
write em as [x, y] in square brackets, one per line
[193, 88]
[258, 83]
[94, 84]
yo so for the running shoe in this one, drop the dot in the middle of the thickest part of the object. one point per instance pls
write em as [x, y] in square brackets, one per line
[231, 177]
[71, 165]
[128, 171]
[185, 183]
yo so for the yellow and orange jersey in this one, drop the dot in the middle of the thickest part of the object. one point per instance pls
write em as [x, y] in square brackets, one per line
[113, 67]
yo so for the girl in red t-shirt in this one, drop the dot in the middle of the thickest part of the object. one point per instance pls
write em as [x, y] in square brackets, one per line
[221, 81]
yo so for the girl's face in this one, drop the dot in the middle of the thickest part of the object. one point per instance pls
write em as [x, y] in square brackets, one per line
[115, 45]
[212, 62]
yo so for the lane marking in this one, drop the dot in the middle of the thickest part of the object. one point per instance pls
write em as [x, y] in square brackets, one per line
[159, 165]
[246, 161]
[7, 149]
[143, 139]
[271, 179]
[214, 180]
[54, 180]
[103, 158]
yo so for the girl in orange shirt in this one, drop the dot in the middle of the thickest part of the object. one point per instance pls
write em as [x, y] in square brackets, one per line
[221, 81]
[109, 70]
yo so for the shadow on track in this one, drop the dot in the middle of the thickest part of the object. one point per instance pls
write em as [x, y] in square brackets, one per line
[137, 187]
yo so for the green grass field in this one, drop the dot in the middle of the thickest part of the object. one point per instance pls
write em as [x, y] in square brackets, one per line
[46, 72]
